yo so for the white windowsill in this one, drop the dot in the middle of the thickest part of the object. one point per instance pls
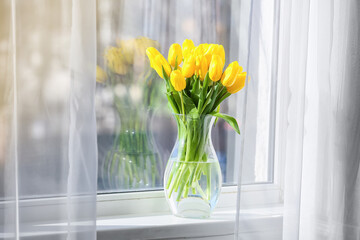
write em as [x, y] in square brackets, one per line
[145, 215]
[260, 223]
[256, 223]
[154, 202]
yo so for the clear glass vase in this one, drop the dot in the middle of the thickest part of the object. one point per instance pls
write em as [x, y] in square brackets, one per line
[192, 179]
[133, 162]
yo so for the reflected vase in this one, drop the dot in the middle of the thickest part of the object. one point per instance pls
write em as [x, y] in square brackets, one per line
[192, 180]
[133, 162]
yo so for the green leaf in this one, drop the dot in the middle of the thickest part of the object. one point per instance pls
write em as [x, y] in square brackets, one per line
[229, 119]
[196, 86]
[175, 96]
[204, 91]
[166, 77]
[172, 104]
[188, 104]
[195, 99]
[195, 90]
[219, 100]
[212, 98]
[194, 113]
[188, 84]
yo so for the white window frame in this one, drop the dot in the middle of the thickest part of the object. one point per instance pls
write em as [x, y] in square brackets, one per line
[154, 202]
[110, 205]
[147, 203]
[252, 195]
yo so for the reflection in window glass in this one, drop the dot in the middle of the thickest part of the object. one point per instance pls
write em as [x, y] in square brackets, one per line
[136, 132]
[132, 117]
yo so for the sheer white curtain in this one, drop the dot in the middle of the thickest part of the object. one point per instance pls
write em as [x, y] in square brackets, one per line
[322, 181]
[318, 114]
[48, 156]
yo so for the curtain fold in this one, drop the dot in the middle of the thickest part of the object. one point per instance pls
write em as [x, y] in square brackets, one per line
[293, 66]
[48, 152]
[321, 196]
[335, 203]
[82, 177]
[318, 116]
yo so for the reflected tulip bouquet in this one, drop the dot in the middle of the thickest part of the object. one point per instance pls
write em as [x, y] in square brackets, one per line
[196, 84]
[133, 161]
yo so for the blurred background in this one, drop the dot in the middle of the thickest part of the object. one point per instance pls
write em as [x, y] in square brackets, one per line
[43, 89]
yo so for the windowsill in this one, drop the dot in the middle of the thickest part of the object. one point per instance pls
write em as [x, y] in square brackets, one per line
[253, 223]
[145, 215]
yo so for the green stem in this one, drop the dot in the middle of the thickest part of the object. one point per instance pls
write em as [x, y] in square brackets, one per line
[184, 180]
[182, 105]
[129, 171]
[222, 97]
[197, 186]
[192, 159]
[208, 99]
[154, 169]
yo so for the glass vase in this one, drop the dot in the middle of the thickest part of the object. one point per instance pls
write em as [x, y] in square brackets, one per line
[192, 179]
[133, 162]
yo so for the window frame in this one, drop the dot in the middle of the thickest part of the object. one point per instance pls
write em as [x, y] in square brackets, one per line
[146, 203]
[252, 195]
[154, 202]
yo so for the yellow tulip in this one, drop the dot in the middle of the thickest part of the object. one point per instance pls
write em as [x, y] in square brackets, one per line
[239, 83]
[203, 66]
[101, 75]
[177, 80]
[215, 68]
[175, 54]
[198, 51]
[160, 62]
[228, 78]
[188, 67]
[187, 47]
[204, 47]
[219, 50]
[209, 52]
[157, 61]
[115, 60]
[152, 52]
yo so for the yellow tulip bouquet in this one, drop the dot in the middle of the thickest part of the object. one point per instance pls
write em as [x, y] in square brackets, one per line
[133, 161]
[195, 86]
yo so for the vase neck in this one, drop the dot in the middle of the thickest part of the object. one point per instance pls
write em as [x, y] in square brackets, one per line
[196, 126]
[134, 120]
[194, 138]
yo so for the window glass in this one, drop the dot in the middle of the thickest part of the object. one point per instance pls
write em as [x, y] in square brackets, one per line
[129, 27]
[135, 96]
